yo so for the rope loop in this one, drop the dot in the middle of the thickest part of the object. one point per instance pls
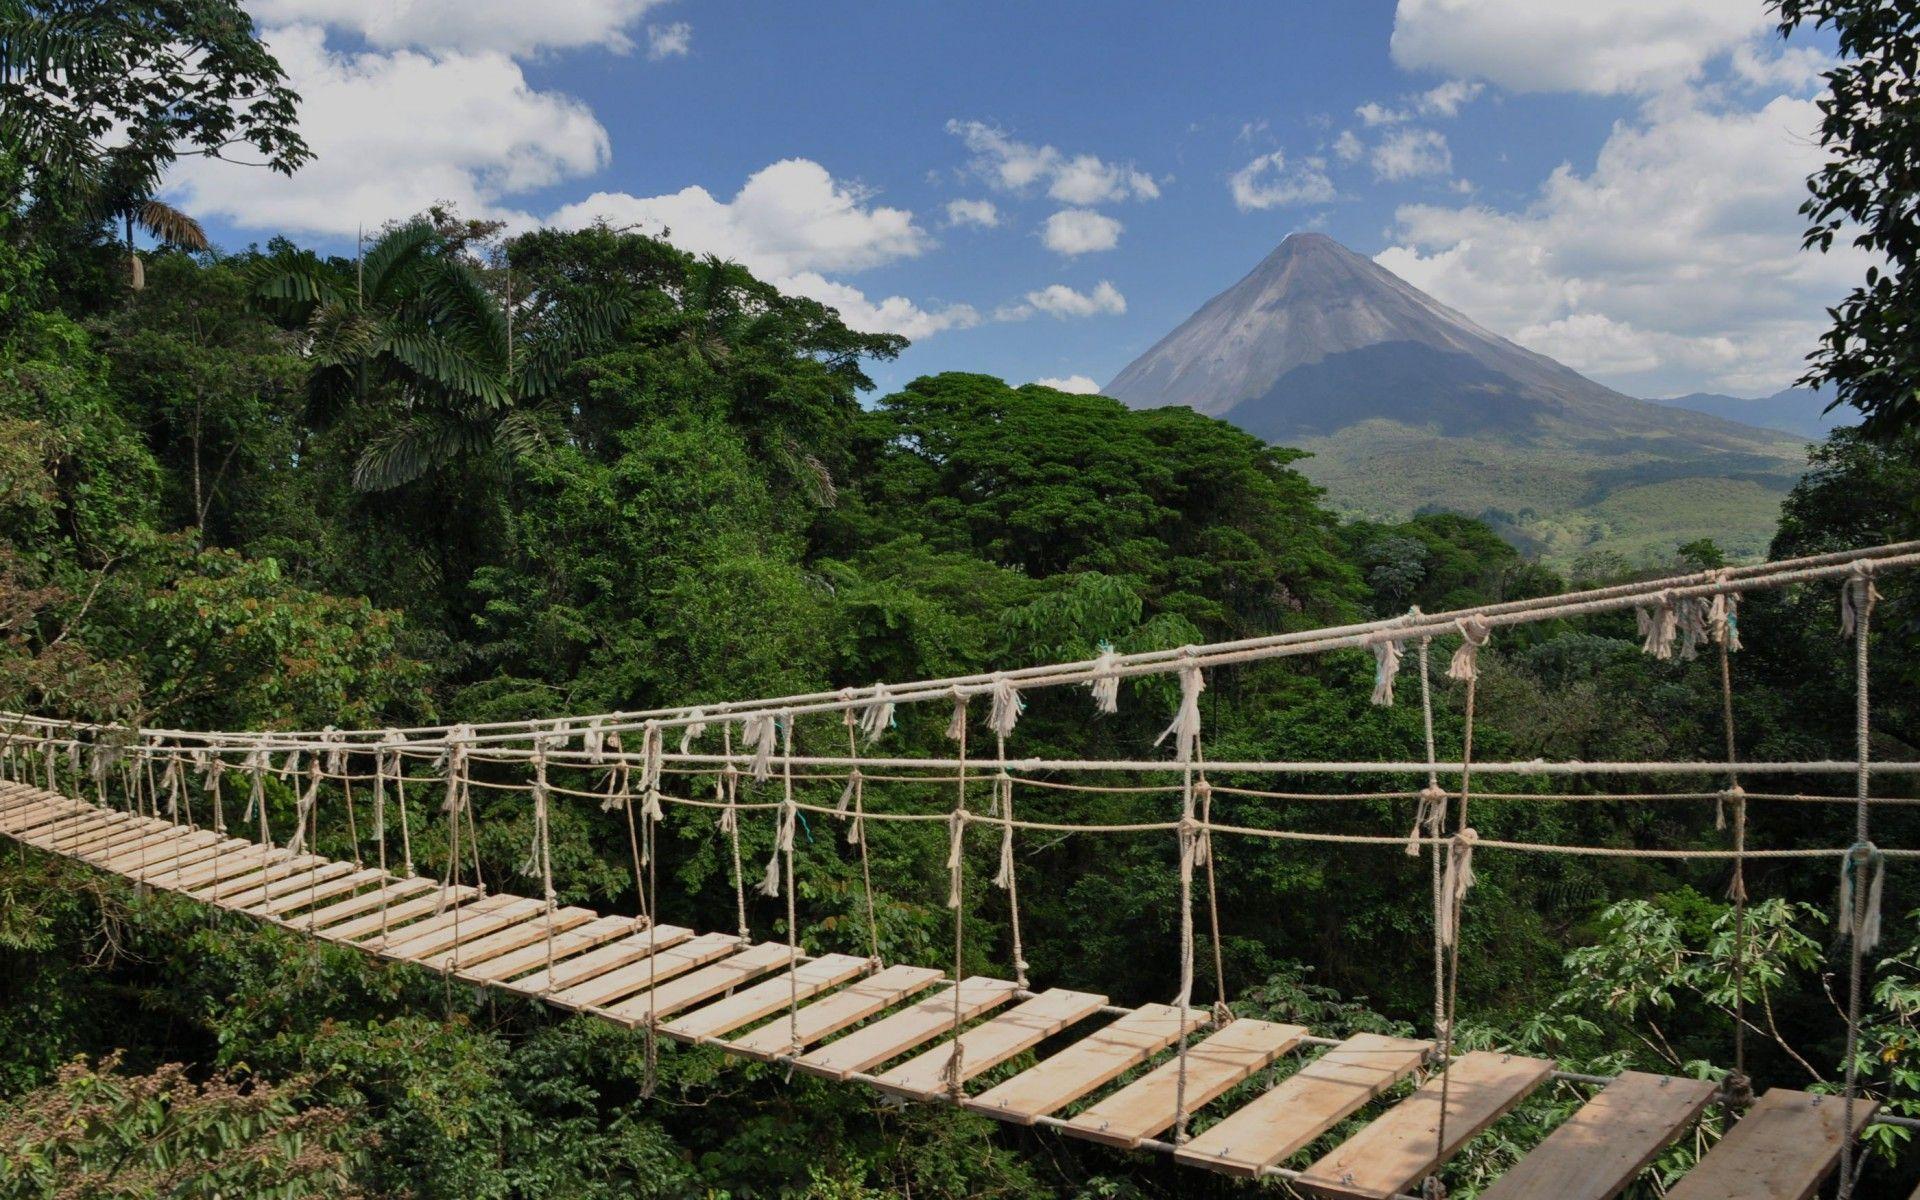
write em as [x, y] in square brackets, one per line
[877, 717]
[1857, 594]
[1474, 632]
[1459, 878]
[1105, 684]
[1185, 729]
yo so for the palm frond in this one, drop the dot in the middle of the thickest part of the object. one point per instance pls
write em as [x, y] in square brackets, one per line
[170, 225]
[387, 264]
[421, 443]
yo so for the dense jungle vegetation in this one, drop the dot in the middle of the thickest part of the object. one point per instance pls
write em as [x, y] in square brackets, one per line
[479, 477]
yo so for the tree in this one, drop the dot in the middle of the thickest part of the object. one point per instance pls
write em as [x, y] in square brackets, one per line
[1870, 184]
[107, 94]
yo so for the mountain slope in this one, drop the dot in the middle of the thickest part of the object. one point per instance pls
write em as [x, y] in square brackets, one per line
[1410, 405]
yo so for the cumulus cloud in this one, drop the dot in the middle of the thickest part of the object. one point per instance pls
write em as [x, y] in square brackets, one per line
[1269, 182]
[1348, 147]
[1674, 264]
[1079, 231]
[1600, 46]
[1078, 384]
[789, 217]
[669, 41]
[512, 27]
[1060, 301]
[1411, 154]
[395, 132]
[893, 314]
[980, 213]
[1079, 179]
[1445, 100]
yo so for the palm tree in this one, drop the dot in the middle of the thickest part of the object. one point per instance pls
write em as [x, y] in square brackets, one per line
[412, 335]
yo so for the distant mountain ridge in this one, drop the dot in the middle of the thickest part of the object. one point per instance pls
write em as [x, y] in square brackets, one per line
[1795, 410]
[1409, 405]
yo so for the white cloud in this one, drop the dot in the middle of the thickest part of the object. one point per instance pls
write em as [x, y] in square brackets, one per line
[1448, 98]
[1348, 147]
[1373, 113]
[1080, 231]
[1268, 182]
[1795, 68]
[1077, 384]
[1673, 265]
[789, 217]
[669, 41]
[1060, 301]
[1410, 154]
[980, 213]
[1080, 179]
[894, 314]
[512, 27]
[395, 132]
[1604, 46]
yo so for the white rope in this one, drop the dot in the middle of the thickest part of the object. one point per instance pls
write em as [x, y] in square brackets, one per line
[1185, 729]
[1474, 632]
[1386, 665]
[1105, 685]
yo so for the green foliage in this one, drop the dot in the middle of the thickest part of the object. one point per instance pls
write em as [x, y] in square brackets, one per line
[1864, 188]
[95, 1132]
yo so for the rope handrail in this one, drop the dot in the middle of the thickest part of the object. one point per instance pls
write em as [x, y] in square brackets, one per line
[1720, 581]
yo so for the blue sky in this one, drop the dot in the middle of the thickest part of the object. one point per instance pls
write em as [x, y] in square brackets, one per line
[1041, 191]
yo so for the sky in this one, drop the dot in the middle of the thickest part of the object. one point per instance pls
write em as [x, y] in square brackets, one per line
[1041, 192]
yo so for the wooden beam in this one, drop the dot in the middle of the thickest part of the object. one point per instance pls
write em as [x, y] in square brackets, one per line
[826, 1017]
[1279, 1123]
[1392, 1154]
[1146, 1106]
[987, 1045]
[1782, 1149]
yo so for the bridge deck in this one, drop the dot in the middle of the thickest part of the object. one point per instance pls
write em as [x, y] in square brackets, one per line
[853, 1017]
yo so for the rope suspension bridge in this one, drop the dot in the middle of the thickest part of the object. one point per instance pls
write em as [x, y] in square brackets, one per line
[1151, 1077]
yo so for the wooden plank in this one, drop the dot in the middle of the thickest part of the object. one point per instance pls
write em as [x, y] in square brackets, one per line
[1598, 1151]
[1280, 1123]
[767, 997]
[120, 827]
[630, 949]
[438, 902]
[1146, 1106]
[288, 895]
[150, 859]
[149, 862]
[824, 1018]
[704, 984]
[471, 929]
[534, 957]
[275, 882]
[1090, 1063]
[647, 972]
[509, 939]
[391, 933]
[1392, 1154]
[68, 830]
[986, 1046]
[894, 1035]
[102, 844]
[352, 906]
[307, 866]
[225, 866]
[32, 816]
[1782, 1149]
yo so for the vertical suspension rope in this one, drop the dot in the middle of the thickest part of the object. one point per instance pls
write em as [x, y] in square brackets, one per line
[1863, 868]
[1723, 629]
[728, 783]
[956, 883]
[1007, 878]
[793, 920]
[649, 814]
[400, 803]
[855, 795]
[1456, 879]
[1431, 816]
[545, 846]
[1186, 732]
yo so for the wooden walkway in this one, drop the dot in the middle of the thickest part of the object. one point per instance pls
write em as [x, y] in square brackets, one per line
[1108, 1079]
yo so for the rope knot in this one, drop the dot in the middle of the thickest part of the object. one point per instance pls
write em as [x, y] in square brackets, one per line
[1105, 683]
[1006, 706]
[696, 726]
[1430, 815]
[957, 723]
[1453, 888]
[1185, 729]
[1657, 626]
[877, 717]
[1863, 877]
[1732, 794]
[1857, 598]
[1474, 632]
[1386, 666]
